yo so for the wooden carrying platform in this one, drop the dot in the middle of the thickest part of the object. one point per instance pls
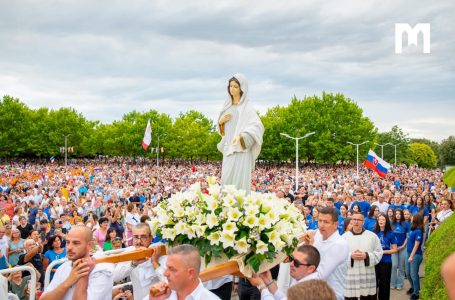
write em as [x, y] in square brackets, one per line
[228, 268]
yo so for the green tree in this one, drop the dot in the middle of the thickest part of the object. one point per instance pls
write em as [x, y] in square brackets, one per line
[334, 118]
[192, 137]
[422, 155]
[447, 151]
[396, 136]
[14, 127]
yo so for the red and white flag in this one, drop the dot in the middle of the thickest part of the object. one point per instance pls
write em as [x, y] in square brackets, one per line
[147, 136]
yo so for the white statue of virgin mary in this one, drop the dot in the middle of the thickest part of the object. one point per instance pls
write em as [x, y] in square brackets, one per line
[241, 130]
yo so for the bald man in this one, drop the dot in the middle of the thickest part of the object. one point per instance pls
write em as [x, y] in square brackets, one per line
[79, 278]
[182, 273]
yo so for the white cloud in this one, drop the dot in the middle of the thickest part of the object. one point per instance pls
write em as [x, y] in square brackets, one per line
[106, 58]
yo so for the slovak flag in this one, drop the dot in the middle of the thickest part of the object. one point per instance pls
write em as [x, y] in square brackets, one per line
[377, 164]
[147, 136]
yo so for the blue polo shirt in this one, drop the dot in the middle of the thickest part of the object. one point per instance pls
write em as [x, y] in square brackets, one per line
[414, 236]
[401, 232]
[369, 223]
[387, 240]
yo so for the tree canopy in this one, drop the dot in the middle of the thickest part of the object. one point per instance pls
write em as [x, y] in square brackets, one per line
[334, 118]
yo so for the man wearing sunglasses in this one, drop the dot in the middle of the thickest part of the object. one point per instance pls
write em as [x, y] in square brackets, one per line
[304, 262]
[141, 271]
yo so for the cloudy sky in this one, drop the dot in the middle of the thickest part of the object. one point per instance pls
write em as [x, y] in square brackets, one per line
[106, 58]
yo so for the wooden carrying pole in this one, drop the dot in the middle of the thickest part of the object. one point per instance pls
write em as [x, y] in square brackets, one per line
[130, 255]
[227, 268]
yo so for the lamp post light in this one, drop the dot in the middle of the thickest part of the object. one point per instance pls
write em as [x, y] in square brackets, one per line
[382, 148]
[395, 145]
[357, 147]
[66, 148]
[297, 154]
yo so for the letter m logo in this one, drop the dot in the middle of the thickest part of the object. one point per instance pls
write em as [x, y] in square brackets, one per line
[413, 34]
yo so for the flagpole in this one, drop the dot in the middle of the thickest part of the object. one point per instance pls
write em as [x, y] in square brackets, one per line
[357, 148]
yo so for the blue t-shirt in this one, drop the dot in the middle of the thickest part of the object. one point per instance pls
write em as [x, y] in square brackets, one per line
[414, 236]
[313, 225]
[364, 205]
[401, 231]
[338, 205]
[402, 207]
[341, 224]
[413, 209]
[369, 223]
[386, 242]
[51, 256]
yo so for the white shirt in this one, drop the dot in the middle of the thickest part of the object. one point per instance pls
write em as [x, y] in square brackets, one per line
[279, 295]
[141, 276]
[4, 246]
[200, 293]
[99, 283]
[383, 206]
[333, 267]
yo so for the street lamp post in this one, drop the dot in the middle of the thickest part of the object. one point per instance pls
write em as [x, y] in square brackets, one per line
[357, 147]
[382, 148]
[297, 154]
[395, 145]
[158, 153]
[66, 148]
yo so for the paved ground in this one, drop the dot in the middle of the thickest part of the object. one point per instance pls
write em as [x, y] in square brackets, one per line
[401, 295]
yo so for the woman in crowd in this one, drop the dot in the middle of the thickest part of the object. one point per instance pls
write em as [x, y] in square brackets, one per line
[391, 215]
[100, 233]
[341, 217]
[131, 219]
[110, 236]
[314, 223]
[389, 244]
[24, 228]
[414, 255]
[446, 210]
[55, 252]
[370, 220]
[17, 216]
[400, 229]
[75, 218]
[347, 226]
[15, 247]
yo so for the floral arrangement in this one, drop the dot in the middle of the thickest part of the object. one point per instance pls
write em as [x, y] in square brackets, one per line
[227, 222]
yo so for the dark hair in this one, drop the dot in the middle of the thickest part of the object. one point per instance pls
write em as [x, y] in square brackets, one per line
[356, 205]
[50, 241]
[371, 212]
[102, 220]
[144, 219]
[108, 236]
[400, 211]
[329, 211]
[44, 221]
[392, 220]
[387, 228]
[240, 86]
[347, 221]
[312, 253]
[417, 222]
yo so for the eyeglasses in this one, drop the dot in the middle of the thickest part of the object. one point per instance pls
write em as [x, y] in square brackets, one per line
[141, 237]
[117, 238]
[357, 220]
[297, 263]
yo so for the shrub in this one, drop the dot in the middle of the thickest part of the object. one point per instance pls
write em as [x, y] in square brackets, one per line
[439, 246]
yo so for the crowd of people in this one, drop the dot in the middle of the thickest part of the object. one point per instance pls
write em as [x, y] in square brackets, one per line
[365, 233]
